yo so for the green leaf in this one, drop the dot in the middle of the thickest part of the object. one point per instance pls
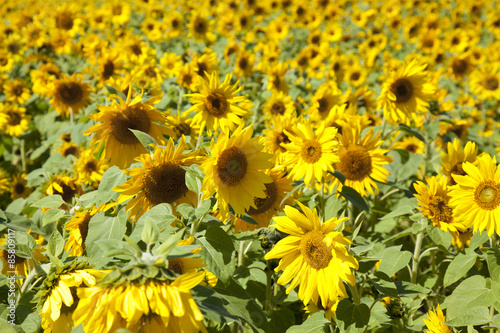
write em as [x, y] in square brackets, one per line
[218, 253]
[313, 324]
[203, 209]
[439, 237]
[56, 243]
[412, 132]
[170, 243]
[394, 260]
[281, 320]
[105, 227]
[353, 196]
[478, 315]
[51, 201]
[333, 206]
[186, 210]
[495, 288]
[240, 303]
[194, 178]
[352, 317]
[145, 139]
[113, 91]
[337, 174]
[32, 323]
[52, 215]
[112, 177]
[459, 267]
[150, 233]
[493, 260]
[496, 320]
[432, 129]
[472, 292]
[477, 240]
[404, 210]
[419, 226]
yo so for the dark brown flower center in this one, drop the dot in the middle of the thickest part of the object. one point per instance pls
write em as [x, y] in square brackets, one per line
[216, 104]
[355, 163]
[133, 117]
[263, 204]
[438, 206]
[311, 151]
[69, 93]
[314, 250]
[232, 166]
[403, 89]
[165, 183]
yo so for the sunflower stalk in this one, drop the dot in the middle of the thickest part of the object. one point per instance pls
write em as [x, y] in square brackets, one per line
[23, 156]
[269, 288]
[26, 283]
[241, 253]
[416, 257]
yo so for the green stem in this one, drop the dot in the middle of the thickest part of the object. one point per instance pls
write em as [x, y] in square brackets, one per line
[23, 156]
[196, 225]
[241, 253]
[355, 294]
[26, 283]
[269, 288]
[322, 199]
[416, 257]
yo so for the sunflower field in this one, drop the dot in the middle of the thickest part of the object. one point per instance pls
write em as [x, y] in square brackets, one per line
[267, 166]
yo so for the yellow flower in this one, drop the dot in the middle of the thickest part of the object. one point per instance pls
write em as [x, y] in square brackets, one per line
[88, 168]
[57, 297]
[485, 81]
[160, 179]
[155, 306]
[325, 98]
[216, 105]
[275, 135]
[4, 181]
[67, 187]
[313, 256]
[405, 93]
[410, 144]
[121, 146]
[13, 119]
[269, 206]
[22, 266]
[70, 93]
[451, 162]
[433, 200]
[310, 154]
[200, 28]
[476, 197]
[361, 161]
[232, 171]
[436, 322]
[78, 228]
[279, 104]
[18, 188]
[16, 92]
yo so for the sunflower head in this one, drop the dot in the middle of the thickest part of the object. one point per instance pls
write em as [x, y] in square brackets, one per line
[70, 93]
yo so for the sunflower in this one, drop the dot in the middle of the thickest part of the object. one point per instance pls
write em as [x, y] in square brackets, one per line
[310, 154]
[13, 119]
[22, 266]
[216, 105]
[475, 198]
[436, 322]
[69, 148]
[433, 200]
[276, 81]
[271, 205]
[329, 309]
[275, 136]
[410, 144]
[232, 171]
[4, 181]
[78, 228]
[187, 77]
[151, 306]
[206, 63]
[460, 67]
[485, 81]
[171, 64]
[361, 161]
[451, 161]
[67, 187]
[89, 168]
[200, 28]
[160, 178]
[245, 61]
[279, 104]
[18, 188]
[356, 75]
[406, 92]
[314, 256]
[57, 297]
[16, 91]
[70, 93]
[180, 125]
[121, 146]
[324, 99]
